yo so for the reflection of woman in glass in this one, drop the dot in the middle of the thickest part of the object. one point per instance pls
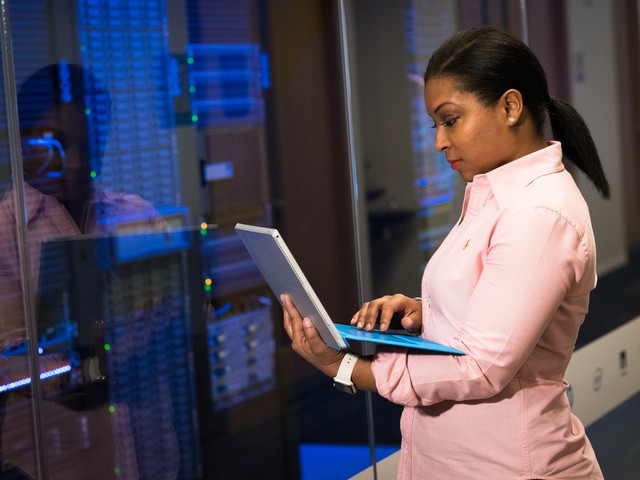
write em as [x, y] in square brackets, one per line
[62, 149]
[509, 285]
[62, 156]
[64, 121]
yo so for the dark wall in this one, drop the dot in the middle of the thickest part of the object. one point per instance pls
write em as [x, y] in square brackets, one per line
[311, 184]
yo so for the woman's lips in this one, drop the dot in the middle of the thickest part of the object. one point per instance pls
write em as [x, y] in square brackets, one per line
[454, 163]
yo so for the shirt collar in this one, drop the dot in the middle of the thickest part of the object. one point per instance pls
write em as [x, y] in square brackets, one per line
[507, 180]
[37, 204]
[34, 200]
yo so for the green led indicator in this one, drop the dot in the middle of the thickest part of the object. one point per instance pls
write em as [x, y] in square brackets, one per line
[93, 174]
[203, 231]
[192, 89]
[190, 60]
[107, 346]
[117, 470]
[112, 409]
[207, 288]
[194, 118]
[87, 111]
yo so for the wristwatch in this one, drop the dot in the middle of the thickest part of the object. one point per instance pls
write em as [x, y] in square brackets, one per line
[342, 381]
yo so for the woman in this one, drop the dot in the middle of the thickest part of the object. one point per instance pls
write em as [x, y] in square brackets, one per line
[509, 285]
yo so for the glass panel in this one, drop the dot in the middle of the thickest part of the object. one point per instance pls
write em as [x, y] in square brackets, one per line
[413, 198]
[124, 314]
[411, 195]
[114, 330]
[18, 442]
[160, 348]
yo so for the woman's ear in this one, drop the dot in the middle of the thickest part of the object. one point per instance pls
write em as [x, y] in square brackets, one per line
[511, 102]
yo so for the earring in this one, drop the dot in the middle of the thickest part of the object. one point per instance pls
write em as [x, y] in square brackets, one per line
[511, 120]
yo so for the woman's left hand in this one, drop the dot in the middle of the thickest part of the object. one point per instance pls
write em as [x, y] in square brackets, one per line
[306, 341]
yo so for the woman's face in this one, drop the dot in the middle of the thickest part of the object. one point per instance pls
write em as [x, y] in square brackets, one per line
[56, 153]
[475, 138]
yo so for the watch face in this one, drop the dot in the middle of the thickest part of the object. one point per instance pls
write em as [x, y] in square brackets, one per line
[351, 389]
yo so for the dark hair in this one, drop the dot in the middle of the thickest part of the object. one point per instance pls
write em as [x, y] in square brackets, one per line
[59, 83]
[487, 62]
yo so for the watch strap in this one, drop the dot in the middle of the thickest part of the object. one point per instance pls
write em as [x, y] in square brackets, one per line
[343, 377]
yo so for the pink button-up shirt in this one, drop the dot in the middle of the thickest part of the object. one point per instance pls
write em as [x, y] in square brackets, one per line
[86, 441]
[47, 219]
[509, 286]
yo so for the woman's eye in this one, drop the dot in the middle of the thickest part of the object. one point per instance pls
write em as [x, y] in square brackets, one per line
[449, 122]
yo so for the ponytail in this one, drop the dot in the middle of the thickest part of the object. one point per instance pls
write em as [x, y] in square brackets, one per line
[572, 132]
[487, 62]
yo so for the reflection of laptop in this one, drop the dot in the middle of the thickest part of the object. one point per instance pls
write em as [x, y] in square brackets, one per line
[279, 268]
[103, 277]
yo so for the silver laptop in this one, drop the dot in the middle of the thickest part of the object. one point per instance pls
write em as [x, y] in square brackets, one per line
[282, 273]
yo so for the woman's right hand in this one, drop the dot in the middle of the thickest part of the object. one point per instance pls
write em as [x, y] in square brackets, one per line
[382, 310]
[306, 341]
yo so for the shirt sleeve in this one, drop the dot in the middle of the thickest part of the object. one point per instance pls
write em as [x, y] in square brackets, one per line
[535, 258]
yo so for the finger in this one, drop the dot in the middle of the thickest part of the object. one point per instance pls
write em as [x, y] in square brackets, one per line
[408, 324]
[291, 309]
[373, 313]
[295, 326]
[411, 324]
[287, 324]
[298, 336]
[357, 319]
[316, 344]
[386, 315]
[394, 305]
[287, 308]
[367, 317]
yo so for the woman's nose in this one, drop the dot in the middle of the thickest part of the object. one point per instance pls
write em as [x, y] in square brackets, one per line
[441, 142]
